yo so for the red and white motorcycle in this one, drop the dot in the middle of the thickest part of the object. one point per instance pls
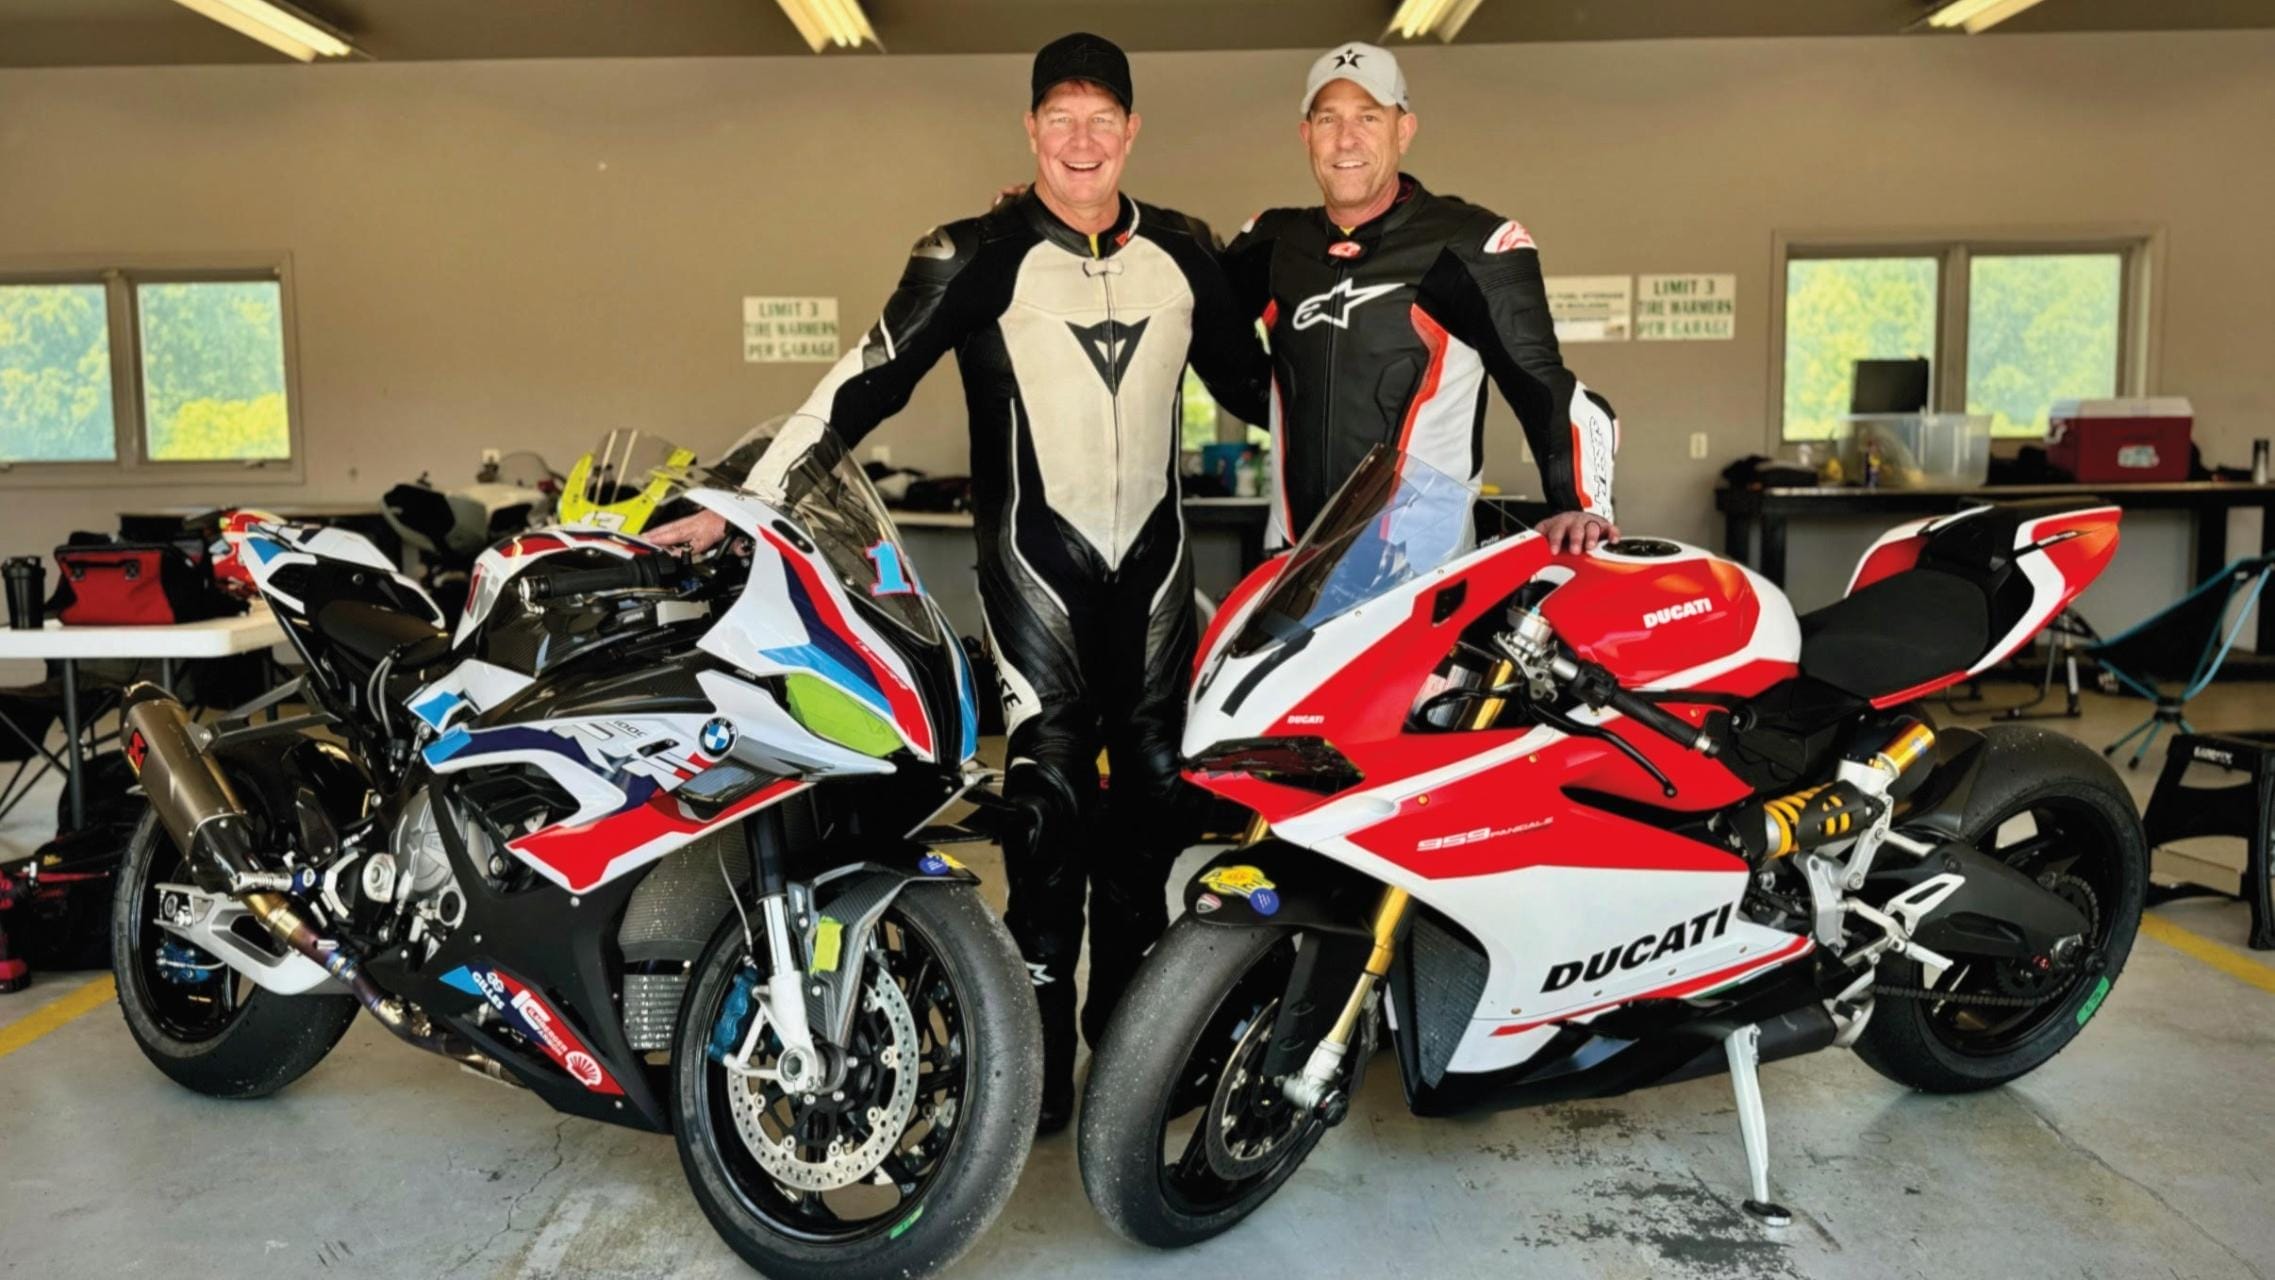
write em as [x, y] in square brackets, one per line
[1578, 825]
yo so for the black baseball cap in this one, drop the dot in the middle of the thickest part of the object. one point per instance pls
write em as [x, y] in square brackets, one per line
[1083, 56]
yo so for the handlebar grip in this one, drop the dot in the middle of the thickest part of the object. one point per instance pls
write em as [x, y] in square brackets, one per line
[1661, 721]
[634, 574]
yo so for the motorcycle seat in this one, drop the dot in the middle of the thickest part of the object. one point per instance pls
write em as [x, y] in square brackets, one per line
[1900, 632]
[374, 633]
[1936, 619]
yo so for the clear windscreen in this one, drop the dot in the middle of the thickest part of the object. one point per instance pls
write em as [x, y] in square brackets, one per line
[832, 502]
[623, 465]
[1396, 519]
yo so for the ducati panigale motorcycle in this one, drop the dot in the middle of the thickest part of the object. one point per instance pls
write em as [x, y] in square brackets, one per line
[1567, 826]
[654, 840]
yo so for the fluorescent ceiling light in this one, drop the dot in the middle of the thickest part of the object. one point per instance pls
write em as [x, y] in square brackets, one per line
[1977, 15]
[1441, 18]
[828, 22]
[279, 28]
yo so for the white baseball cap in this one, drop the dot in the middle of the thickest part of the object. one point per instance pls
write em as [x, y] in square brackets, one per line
[1370, 67]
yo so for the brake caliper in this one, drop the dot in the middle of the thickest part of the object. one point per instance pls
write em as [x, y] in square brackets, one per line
[734, 1016]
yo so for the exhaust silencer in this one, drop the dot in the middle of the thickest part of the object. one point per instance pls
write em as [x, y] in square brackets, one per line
[193, 801]
[200, 810]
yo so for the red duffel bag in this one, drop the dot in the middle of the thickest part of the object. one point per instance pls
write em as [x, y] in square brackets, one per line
[149, 584]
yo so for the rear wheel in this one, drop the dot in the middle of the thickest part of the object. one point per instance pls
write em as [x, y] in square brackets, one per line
[897, 1172]
[1182, 1134]
[2048, 806]
[203, 1024]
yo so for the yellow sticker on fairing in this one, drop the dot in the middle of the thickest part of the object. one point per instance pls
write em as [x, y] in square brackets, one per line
[1240, 881]
[829, 936]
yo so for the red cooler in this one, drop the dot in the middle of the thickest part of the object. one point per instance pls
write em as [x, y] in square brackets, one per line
[2135, 441]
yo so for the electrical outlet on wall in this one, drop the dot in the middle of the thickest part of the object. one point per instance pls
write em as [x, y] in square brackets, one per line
[1697, 444]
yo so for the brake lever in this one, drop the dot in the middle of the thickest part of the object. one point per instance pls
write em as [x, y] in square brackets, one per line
[1558, 720]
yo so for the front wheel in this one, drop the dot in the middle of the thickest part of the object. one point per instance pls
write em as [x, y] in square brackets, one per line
[1182, 1133]
[2048, 806]
[897, 1171]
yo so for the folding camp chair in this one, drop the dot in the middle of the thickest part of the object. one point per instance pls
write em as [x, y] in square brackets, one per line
[2187, 641]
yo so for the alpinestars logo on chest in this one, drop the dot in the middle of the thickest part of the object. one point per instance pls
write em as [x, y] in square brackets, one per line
[1109, 344]
[1336, 305]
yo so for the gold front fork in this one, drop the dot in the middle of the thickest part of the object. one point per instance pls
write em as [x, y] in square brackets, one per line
[1310, 1087]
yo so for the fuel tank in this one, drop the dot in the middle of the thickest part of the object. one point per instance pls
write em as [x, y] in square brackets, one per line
[1648, 609]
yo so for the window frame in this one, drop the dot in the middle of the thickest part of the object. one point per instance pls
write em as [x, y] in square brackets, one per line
[2140, 250]
[120, 277]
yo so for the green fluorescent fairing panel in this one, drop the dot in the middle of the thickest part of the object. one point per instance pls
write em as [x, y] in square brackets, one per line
[830, 712]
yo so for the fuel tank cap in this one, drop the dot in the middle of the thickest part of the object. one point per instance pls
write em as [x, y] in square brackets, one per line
[1642, 548]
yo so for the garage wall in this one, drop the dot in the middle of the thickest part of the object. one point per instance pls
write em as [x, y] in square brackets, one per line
[527, 254]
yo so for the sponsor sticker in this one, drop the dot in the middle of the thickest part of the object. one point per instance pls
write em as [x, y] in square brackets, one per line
[1206, 903]
[936, 863]
[718, 736]
[1238, 881]
[526, 1012]
[1345, 249]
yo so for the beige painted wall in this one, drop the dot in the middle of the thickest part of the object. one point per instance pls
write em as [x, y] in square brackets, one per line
[527, 254]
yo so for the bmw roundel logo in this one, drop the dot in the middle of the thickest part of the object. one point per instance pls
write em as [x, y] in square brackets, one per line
[718, 735]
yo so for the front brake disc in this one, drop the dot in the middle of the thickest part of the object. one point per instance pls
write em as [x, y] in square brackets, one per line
[886, 1111]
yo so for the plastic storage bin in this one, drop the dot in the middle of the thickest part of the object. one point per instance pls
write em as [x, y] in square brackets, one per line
[1920, 450]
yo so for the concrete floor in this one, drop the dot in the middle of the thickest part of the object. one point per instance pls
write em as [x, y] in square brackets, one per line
[2143, 1151]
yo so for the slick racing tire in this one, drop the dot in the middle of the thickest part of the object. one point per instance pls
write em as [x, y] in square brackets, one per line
[2050, 806]
[953, 1161]
[207, 1027]
[1177, 1052]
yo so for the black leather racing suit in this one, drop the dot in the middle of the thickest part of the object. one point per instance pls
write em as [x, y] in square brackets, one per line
[1073, 350]
[1384, 334]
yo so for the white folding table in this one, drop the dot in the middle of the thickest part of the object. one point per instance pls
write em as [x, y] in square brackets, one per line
[213, 638]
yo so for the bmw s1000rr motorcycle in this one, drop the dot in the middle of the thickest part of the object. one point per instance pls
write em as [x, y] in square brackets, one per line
[1573, 825]
[647, 839]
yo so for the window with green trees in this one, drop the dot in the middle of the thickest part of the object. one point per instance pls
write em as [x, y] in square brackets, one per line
[202, 362]
[2028, 326]
[2040, 327]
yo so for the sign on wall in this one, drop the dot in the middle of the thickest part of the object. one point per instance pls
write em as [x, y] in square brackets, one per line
[788, 330]
[1590, 308]
[1686, 308]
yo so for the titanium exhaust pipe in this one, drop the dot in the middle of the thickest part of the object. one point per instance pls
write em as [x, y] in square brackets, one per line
[200, 810]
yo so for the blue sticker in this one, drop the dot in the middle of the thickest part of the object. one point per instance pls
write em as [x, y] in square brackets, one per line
[1265, 902]
[718, 736]
[463, 979]
[436, 710]
[449, 745]
[932, 865]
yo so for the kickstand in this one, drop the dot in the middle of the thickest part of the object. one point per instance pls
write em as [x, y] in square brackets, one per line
[1744, 1049]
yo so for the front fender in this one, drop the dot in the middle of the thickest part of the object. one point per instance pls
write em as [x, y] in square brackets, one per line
[1284, 886]
[848, 903]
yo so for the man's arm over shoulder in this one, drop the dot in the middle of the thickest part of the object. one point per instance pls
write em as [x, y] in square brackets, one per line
[1225, 351]
[1486, 289]
[940, 299]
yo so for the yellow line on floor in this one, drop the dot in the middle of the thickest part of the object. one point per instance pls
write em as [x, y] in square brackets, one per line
[55, 1013]
[2195, 945]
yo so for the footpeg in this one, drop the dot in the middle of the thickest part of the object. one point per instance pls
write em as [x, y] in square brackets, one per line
[1743, 1047]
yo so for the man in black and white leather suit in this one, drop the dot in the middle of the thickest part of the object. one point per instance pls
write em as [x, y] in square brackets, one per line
[1073, 311]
